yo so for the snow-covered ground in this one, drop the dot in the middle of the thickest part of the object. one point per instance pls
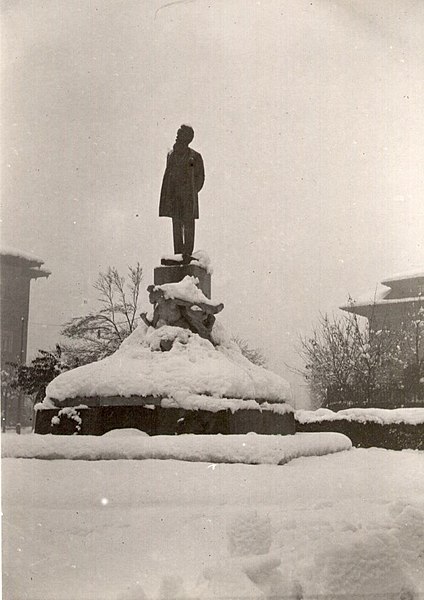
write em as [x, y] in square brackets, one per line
[346, 525]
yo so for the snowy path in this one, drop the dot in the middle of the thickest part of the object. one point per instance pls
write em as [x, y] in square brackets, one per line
[82, 530]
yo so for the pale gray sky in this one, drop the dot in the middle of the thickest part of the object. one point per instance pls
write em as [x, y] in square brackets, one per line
[308, 115]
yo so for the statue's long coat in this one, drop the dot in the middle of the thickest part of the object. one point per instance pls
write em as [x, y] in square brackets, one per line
[183, 179]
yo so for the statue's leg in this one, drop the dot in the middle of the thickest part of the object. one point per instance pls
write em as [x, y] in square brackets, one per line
[189, 237]
[177, 228]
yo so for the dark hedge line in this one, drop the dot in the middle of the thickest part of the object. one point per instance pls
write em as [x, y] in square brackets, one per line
[398, 436]
[351, 397]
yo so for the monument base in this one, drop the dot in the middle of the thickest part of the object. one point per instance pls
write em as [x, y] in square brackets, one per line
[157, 420]
[174, 274]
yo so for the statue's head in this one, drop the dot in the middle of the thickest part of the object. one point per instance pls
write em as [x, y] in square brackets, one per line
[185, 134]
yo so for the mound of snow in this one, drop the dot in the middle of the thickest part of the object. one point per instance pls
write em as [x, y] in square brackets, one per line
[193, 366]
[125, 432]
[383, 416]
[250, 448]
[201, 258]
[249, 533]
[369, 565]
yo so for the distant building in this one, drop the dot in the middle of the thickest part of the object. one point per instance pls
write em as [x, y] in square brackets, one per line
[396, 305]
[17, 269]
[393, 306]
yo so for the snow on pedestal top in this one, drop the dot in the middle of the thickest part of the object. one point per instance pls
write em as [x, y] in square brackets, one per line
[199, 258]
[192, 366]
[185, 290]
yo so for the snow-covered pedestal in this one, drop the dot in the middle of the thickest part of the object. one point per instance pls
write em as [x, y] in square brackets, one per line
[178, 372]
[173, 270]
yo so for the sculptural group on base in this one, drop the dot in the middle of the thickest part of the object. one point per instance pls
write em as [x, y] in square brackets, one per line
[197, 315]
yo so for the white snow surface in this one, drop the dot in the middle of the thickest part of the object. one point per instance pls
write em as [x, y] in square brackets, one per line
[384, 416]
[199, 258]
[175, 257]
[250, 448]
[349, 526]
[9, 251]
[193, 366]
[196, 402]
[187, 289]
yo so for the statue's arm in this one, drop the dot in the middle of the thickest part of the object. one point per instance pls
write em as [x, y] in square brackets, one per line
[199, 173]
[164, 201]
[143, 315]
[166, 172]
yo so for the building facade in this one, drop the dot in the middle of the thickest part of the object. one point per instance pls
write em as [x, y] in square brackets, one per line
[17, 270]
[399, 308]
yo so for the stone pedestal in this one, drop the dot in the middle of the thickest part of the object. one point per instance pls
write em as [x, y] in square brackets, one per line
[154, 419]
[174, 274]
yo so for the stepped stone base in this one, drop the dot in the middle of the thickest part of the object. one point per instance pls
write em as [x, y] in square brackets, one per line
[155, 420]
[174, 274]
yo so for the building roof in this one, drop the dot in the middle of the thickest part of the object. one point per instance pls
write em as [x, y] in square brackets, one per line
[413, 277]
[29, 260]
[399, 289]
[25, 256]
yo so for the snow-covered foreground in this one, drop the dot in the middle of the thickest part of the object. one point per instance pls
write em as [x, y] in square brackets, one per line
[346, 525]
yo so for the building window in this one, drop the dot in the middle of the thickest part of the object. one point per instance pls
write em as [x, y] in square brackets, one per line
[7, 341]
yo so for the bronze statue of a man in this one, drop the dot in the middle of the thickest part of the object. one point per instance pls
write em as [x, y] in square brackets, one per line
[183, 179]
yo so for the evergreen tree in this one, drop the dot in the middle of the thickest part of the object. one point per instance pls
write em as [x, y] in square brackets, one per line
[33, 379]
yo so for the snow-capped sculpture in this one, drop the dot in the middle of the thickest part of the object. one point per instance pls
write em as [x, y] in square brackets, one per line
[183, 305]
[178, 372]
[174, 354]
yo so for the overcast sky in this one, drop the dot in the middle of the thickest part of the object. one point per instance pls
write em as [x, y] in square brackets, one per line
[309, 117]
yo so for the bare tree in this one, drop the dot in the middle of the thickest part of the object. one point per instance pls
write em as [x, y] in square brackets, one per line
[99, 334]
[411, 344]
[329, 356]
[345, 354]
